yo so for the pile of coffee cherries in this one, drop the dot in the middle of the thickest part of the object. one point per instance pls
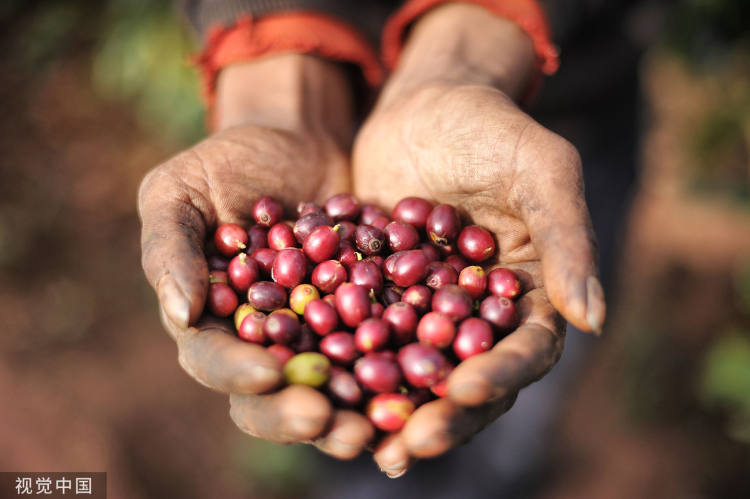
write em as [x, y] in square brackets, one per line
[375, 310]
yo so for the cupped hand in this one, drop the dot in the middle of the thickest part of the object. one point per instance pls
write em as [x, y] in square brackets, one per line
[217, 181]
[471, 146]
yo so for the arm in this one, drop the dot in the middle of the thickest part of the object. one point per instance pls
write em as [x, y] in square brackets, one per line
[281, 119]
[447, 126]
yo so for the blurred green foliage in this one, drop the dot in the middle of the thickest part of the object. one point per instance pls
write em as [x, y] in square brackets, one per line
[143, 57]
[275, 470]
[725, 376]
[713, 38]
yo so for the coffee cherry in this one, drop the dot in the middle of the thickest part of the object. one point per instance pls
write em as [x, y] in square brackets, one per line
[281, 328]
[419, 297]
[389, 411]
[500, 312]
[503, 282]
[264, 257]
[322, 244]
[381, 222]
[241, 312]
[392, 294]
[457, 262]
[439, 274]
[366, 273]
[257, 237]
[476, 244]
[222, 301]
[345, 229]
[453, 301]
[352, 303]
[305, 225]
[436, 329]
[329, 275]
[370, 212]
[230, 239]
[331, 300]
[422, 365]
[321, 316]
[302, 295]
[440, 388]
[443, 225]
[218, 277]
[402, 319]
[343, 388]
[267, 211]
[243, 271]
[216, 262]
[281, 236]
[251, 328]
[420, 396]
[282, 352]
[308, 368]
[377, 260]
[372, 334]
[413, 211]
[376, 310]
[474, 337]
[342, 207]
[401, 236]
[307, 208]
[409, 268]
[340, 347]
[348, 254]
[474, 280]
[430, 251]
[306, 341]
[266, 296]
[377, 373]
[289, 267]
[369, 239]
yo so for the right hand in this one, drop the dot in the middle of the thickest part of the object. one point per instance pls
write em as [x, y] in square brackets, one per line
[217, 181]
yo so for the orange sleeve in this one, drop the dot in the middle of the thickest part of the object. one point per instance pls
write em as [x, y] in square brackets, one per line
[527, 14]
[285, 32]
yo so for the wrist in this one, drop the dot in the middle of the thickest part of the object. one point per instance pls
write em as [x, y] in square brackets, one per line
[296, 92]
[461, 43]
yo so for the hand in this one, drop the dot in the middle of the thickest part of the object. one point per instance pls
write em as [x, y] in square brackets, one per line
[272, 141]
[456, 136]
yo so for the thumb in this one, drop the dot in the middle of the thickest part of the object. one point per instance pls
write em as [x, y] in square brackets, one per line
[555, 213]
[171, 243]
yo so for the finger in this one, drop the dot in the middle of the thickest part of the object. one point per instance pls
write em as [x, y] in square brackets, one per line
[517, 360]
[440, 425]
[173, 229]
[555, 212]
[392, 456]
[216, 358]
[295, 414]
[348, 436]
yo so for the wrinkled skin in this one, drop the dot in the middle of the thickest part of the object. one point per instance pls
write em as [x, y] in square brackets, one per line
[184, 199]
[448, 140]
[470, 146]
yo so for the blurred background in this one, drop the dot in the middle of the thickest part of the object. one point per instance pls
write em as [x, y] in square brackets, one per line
[94, 94]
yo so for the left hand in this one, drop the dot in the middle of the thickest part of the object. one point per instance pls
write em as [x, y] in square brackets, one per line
[466, 143]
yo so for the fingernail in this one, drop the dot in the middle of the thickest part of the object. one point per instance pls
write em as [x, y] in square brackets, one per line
[396, 475]
[395, 470]
[470, 393]
[304, 427]
[595, 306]
[173, 300]
[341, 448]
[264, 376]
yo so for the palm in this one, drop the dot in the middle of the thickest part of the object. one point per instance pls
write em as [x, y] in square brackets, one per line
[471, 147]
[215, 182]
